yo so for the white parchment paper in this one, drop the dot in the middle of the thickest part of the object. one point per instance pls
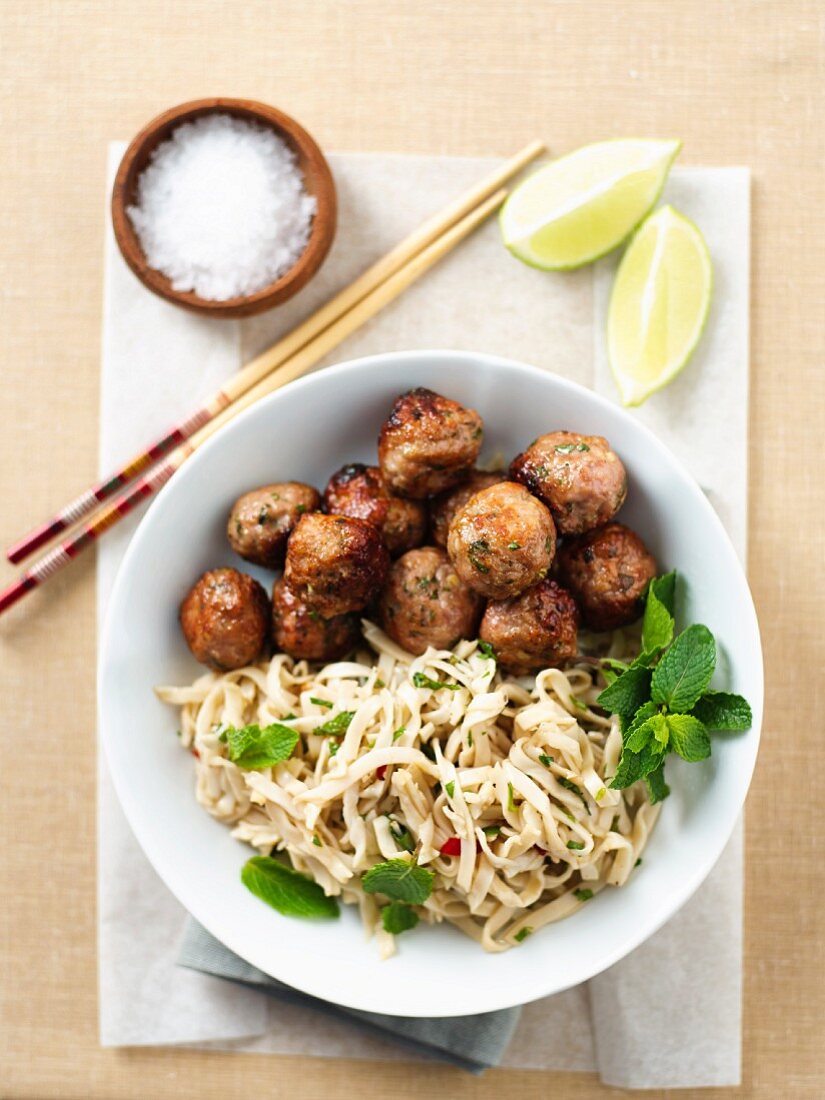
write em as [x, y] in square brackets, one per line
[666, 1016]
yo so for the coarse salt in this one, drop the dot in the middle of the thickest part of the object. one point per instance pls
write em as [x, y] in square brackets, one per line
[221, 208]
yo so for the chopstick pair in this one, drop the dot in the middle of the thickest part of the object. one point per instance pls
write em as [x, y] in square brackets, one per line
[288, 359]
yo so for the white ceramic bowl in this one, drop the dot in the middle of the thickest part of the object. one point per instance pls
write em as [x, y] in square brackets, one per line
[305, 432]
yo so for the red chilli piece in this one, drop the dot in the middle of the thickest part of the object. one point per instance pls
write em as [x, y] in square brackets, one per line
[382, 771]
[452, 847]
[196, 754]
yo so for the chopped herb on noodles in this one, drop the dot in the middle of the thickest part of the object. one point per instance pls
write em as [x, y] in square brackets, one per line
[401, 768]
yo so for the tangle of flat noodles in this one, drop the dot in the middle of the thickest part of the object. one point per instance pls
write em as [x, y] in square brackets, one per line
[517, 771]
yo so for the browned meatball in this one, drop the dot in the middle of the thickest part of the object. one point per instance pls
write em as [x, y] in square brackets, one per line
[335, 564]
[607, 571]
[302, 633]
[578, 477]
[261, 521]
[428, 444]
[360, 491]
[536, 630]
[444, 507]
[426, 604]
[502, 541]
[224, 619]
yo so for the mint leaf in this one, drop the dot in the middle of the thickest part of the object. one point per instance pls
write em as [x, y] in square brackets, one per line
[337, 725]
[450, 788]
[657, 789]
[523, 933]
[400, 879]
[422, 681]
[612, 669]
[252, 747]
[487, 650]
[628, 771]
[288, 891]
[625, 695]
[657, 625]
[402, 836]
[720, 710]
[575, 845]
[583, 894]
[688, 737]
[636, 765]
[480, 546]
[664, 589]
[571, 786]
[616, 666]
[569, 448]
[685, 670]
[640, 730]
[397, 917]
[642, 735]
[661, 733]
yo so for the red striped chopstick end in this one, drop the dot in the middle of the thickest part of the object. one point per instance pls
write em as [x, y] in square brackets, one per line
[9, 596]
[33, 541]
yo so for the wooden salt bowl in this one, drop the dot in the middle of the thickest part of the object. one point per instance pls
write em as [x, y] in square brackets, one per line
[317, 180]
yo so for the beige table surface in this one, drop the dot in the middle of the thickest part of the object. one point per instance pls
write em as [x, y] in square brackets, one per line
[740, 83]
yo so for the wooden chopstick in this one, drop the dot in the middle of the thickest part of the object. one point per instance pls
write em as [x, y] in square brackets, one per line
[260, 367]
[367, 307]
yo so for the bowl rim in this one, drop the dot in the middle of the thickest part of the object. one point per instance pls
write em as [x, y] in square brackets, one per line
[318, 180]
[709, 856]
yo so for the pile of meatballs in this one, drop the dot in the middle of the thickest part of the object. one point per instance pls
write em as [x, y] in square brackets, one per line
[433, 548]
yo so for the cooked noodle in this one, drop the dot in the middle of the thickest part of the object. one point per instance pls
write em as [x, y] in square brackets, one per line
[337, 816]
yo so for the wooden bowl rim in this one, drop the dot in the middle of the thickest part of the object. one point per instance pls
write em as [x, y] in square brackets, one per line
[317, 178]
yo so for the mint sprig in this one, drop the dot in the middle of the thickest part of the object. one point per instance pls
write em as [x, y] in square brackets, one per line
[400, 880]
[252, 747]
[663, 699]
[287, 890]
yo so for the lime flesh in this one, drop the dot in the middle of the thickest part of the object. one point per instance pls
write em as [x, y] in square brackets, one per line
[583, 205]
[659, 304]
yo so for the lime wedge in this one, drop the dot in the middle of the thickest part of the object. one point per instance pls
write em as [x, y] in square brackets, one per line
[659, 304]
[584, 204]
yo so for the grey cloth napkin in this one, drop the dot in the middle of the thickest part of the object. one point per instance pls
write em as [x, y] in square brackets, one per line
[473, 1043]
